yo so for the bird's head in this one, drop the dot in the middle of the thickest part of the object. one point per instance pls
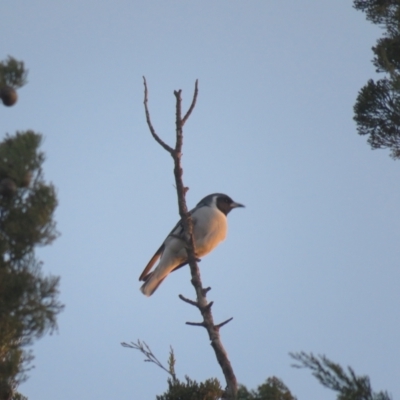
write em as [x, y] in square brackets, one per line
[221, 201]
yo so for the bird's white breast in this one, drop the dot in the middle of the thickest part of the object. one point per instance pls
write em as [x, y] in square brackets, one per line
[209, 230]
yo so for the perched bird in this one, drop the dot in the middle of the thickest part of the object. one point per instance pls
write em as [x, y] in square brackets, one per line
[209, 229]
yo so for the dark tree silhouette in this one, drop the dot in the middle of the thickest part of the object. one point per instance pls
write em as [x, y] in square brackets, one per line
[28, 299]
[377, 108]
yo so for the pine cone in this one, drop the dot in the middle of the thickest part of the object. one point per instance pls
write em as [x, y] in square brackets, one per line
[8, 95]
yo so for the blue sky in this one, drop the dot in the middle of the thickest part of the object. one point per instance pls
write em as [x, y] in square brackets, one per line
[311, 264]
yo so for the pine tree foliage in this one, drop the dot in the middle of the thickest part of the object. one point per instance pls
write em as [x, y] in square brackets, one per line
[12, 73]
[272, 389]
[381, 12]
[28, 299]
[347, 384]
[189, 389]
[378, 114]
[377, 108]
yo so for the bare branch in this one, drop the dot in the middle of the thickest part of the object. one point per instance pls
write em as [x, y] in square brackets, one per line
[187, 223]
[178, 128]
[196, 324]
[208, 306]
[150, 125]
[191, 108]
[193, 303]
[202, 304]
[206, 290]
[223, 323]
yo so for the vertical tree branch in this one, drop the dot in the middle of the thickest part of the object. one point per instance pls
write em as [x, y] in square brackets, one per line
[201, 299]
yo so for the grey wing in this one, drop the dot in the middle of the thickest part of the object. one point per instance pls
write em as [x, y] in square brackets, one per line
[194, 220]
[177, 231]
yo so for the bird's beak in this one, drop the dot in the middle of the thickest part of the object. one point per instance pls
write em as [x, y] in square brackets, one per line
[235, 205]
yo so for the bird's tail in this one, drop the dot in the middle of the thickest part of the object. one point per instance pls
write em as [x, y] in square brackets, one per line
[152, 282]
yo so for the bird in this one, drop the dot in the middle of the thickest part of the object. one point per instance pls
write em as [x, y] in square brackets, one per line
[209, 229]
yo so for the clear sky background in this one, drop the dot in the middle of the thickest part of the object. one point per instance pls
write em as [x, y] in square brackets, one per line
[311, 264]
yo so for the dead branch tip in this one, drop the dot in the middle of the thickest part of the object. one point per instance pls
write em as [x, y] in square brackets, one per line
[149, 123]
[191, 302]
[196, 324]
[208, 306]
[196, 92]
[205, 291]
[223, 323]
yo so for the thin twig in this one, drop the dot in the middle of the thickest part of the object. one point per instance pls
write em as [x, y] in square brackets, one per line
[196, 324]
[193, 303]
[206, 290]
[223, 323]
[150, 125]
[191, 108]
[144, 348]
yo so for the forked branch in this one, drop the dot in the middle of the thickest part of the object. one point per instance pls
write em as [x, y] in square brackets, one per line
[201, 302]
